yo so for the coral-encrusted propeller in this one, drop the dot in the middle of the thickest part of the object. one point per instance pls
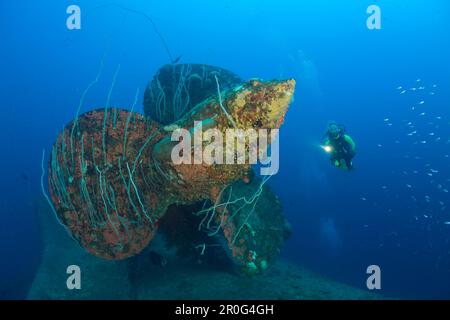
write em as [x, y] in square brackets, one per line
[111, 177]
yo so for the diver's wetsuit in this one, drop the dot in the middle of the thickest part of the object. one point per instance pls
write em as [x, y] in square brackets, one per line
[343, 149]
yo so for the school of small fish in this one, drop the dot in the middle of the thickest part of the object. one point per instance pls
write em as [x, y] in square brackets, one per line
[425, 175]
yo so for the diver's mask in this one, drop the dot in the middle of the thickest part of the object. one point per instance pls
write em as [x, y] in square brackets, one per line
[334, 131]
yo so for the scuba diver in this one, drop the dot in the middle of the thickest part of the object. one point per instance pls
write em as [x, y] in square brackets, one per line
[340, 146]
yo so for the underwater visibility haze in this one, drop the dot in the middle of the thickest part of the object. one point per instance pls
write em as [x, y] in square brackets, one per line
[103, 103]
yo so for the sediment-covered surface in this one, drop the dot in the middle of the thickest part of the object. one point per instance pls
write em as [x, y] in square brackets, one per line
[178, 279]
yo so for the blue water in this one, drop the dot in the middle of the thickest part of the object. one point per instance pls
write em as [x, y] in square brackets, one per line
[342, 222]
